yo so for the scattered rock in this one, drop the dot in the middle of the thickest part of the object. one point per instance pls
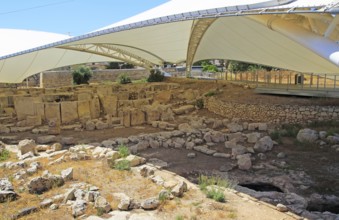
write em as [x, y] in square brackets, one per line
[244, 162]
[67, 174]
[264, 144]
[46, 139]
[191, 155]
[46, 203]
[179, 189]
[158, 163]
[307, 135]
[26, 146]
[79, 207]
[24, 212]
[125, 201]
[281, 155]
[282, 208]
[102, 204]
[150, 204]
[56, 147]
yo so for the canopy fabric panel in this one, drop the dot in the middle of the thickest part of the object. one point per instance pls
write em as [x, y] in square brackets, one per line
[299, 35]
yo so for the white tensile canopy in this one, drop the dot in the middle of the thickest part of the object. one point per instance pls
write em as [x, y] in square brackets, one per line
[300, 35]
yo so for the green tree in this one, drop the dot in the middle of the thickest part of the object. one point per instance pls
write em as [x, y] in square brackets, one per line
[81, 75]
[156, 76]
[237, 66]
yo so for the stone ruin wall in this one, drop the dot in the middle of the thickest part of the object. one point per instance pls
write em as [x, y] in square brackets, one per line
[133, 105]
[272, 113]
[69, 105]
[57, 79]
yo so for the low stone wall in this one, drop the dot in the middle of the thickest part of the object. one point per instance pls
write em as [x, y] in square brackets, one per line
[57, 79]
[272, 113]
[112, 74]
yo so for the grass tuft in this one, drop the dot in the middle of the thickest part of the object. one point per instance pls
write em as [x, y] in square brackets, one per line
[4, 155]
[212, 187]
[123, 151]
[122, 165]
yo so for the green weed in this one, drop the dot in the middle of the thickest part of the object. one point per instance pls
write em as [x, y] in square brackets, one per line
[122, 165]
[123, 151]
[4, 155]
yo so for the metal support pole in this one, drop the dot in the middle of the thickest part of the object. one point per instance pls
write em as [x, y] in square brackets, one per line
[325, 81]
[317, 82]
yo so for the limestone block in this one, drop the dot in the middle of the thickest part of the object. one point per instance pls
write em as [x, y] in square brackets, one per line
[54, 126]
[33, 121]
[184, 109]
[137, 117]
[39, 110]
[84, 96]
[24, 106]
[52, 111]
[126, 118]
[152, 115]
[140, 102]
[95, 107]
[109, 104]
[84, 111]
[69, 112]
[163, 97]
[104, 90]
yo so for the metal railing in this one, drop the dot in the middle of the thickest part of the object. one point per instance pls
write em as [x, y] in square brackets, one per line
[284, 80]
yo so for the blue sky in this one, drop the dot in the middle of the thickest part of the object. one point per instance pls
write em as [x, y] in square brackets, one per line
[71, 17]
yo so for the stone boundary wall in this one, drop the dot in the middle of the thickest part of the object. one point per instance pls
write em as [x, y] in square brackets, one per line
[272, 113]
[111, 75]
[56, 79]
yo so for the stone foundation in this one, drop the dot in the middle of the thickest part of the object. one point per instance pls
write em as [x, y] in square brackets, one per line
[272, 113]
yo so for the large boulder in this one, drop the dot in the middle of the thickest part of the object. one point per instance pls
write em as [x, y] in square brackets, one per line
[307, 135]
[39, 185]
[264, 144]
[26, 146]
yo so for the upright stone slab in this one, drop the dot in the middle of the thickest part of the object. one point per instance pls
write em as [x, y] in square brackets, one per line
[24, 106]
[109, 104]
[39, 110]
[52, 111]
[84, 96]
[95, 107]
[137, 117]
[69, 112]
[54, 126]
[126, 118]
[84, 111]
